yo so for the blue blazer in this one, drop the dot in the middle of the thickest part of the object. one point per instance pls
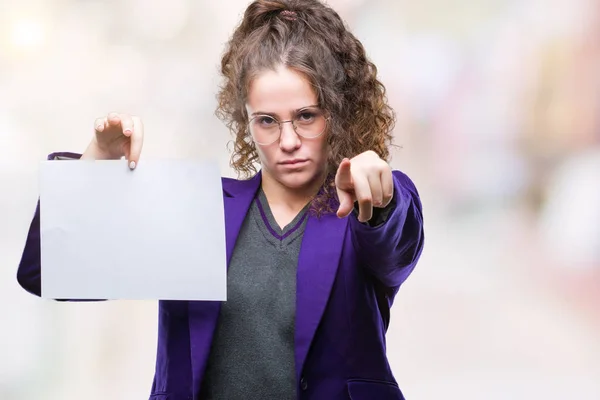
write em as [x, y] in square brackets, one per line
[348, 275]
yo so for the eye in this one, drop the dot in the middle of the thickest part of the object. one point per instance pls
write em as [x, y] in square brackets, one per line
[306, 117]
[266, 121]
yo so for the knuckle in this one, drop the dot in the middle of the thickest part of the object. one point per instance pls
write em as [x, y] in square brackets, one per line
[365, 199]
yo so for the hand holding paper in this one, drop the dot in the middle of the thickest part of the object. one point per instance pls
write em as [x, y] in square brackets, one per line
[116, 136]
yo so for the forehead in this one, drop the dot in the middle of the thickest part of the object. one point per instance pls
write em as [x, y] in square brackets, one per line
[280, 91]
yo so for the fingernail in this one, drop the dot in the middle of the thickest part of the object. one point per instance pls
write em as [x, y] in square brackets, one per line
[132, 165]
[127, 132]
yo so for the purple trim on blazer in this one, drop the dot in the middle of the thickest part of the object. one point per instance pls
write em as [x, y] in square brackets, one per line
[270, 228]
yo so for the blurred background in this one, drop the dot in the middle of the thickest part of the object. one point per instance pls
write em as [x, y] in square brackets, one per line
[498, 106]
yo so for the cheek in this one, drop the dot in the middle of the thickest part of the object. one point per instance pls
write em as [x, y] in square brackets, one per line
[264, 154]
[320, 150]
[323, 148]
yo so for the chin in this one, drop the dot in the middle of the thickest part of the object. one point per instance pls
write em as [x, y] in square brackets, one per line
[298, 180]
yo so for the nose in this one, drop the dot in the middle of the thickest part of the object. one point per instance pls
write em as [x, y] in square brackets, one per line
[289, 139]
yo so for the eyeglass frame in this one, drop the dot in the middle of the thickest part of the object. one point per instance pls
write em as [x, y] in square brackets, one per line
[280, 123]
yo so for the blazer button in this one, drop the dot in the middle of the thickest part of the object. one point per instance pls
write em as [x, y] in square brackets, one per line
[303, 384]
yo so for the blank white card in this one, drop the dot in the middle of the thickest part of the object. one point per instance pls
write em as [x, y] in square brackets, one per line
[156, 232]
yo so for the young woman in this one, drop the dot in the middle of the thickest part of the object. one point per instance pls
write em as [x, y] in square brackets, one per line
[319, 240]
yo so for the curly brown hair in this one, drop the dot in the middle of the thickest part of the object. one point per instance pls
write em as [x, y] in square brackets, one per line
[311, 38]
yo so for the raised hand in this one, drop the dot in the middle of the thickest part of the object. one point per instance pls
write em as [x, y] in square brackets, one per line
[116, 136]
[367, 179]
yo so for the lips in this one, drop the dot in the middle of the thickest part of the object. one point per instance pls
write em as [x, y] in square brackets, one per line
[295, 161]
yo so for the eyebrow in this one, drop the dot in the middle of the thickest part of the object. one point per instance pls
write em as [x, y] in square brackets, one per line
[296, 111]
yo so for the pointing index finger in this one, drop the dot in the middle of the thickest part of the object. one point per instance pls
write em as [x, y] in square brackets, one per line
[343, 178]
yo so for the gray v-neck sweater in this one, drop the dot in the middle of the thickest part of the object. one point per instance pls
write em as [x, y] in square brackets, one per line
[252, 355]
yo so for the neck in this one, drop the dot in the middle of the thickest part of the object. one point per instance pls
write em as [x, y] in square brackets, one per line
[292, 199]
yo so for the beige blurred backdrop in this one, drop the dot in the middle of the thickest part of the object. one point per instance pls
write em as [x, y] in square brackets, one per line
[498, 107]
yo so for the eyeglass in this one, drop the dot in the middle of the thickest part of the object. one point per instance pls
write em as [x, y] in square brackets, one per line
[309, 123]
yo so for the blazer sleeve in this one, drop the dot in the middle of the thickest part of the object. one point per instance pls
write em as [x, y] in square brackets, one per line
[390, 250]
[29, 271]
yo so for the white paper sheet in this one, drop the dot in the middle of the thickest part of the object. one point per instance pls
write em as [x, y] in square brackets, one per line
[156, 232]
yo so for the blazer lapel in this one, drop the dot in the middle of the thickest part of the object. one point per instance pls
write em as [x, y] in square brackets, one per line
[317, 267]
[203, 315]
